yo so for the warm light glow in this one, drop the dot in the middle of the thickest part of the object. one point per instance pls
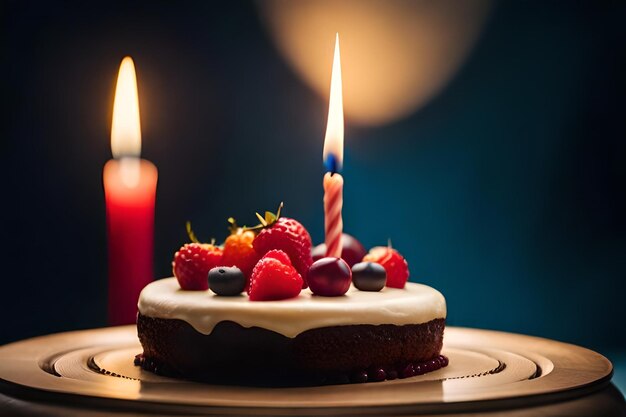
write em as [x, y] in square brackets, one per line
[396, 54]
[126, 126]
[130, 171]
[333, 141]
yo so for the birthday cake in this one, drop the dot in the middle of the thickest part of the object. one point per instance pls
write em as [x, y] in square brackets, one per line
[267, 308]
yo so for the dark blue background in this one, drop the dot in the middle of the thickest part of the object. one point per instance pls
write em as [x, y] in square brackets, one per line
[507, 191]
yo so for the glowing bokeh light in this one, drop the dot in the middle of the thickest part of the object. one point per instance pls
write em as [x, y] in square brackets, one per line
[396, 54]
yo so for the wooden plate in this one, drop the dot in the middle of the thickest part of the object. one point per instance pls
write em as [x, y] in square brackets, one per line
[487, 368]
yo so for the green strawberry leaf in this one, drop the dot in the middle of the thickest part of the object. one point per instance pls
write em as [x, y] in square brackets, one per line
[270, 217]
[190, 233]
[267, 221]
[261, 219]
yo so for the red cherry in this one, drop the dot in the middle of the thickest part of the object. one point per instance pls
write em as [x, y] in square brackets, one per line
[329, 277]
[352, 252]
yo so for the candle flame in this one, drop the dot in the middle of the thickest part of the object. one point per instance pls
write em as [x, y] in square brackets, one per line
[333, 142]
[126, 126]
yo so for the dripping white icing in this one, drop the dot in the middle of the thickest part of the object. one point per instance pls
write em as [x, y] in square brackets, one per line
[414, 304]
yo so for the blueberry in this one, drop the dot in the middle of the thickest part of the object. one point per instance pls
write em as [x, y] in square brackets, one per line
[226, 280]
[369, 276]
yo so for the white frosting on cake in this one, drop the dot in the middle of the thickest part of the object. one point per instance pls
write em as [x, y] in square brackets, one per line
[415, 304]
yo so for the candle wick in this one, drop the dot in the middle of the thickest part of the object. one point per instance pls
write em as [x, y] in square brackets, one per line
[331, 164]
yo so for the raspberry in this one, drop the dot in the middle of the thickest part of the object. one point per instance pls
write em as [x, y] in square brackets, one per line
[272, 279]
[192, 263]
[279, 255]
[239, 252]
[292, 238]
[395, 265]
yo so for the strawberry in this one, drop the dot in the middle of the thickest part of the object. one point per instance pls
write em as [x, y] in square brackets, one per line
[192, 263]
[287, 235]
[274, 278]
[238, 250]
[396, 266]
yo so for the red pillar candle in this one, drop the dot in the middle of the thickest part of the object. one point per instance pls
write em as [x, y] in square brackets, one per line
[130, 190]
[333, 159]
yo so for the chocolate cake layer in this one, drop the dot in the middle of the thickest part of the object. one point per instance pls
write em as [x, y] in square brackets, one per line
[232, 353]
